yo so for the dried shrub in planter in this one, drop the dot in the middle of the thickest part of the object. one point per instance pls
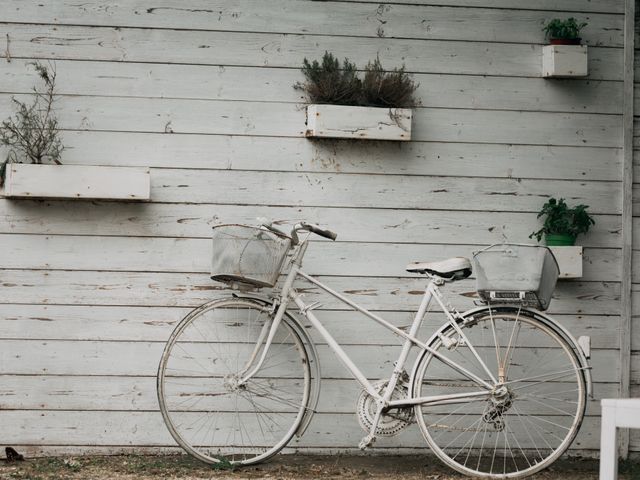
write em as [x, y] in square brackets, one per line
[32, 134]
[388, 89]
[327, 82]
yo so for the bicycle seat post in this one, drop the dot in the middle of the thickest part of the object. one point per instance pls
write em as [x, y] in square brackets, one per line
[435, 279]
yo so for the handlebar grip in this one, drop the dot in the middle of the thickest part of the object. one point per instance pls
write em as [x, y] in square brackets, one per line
[323, 233]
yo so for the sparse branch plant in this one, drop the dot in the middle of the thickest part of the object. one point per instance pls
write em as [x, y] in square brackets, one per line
[568, 29]
[562, 220]
[32, 134]
[329, 82]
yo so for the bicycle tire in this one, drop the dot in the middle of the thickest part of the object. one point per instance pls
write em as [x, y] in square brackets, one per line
[515, 432]
[206, 411]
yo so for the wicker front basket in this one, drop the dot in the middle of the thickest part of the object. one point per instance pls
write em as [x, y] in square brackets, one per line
[516, 273]
[250, 256]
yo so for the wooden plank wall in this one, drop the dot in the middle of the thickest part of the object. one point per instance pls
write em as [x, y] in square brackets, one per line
[634, 441]
[201, 91]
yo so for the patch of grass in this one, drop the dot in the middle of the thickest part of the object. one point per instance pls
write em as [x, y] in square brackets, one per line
[630, 468]
[96, 467]
[42, 469]
[156, 465]
[223, 464]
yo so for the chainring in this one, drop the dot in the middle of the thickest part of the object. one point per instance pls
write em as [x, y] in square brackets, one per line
[391, 422]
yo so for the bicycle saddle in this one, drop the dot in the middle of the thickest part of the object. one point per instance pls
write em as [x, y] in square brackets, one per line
[455, 268]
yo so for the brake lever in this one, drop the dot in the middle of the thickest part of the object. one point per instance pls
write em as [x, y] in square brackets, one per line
[269, 226]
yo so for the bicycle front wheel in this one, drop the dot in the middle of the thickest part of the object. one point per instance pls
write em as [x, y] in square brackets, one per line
[529, 418]
[211, 413]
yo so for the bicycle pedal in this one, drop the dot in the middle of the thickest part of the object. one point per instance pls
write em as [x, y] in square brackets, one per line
[366, 442]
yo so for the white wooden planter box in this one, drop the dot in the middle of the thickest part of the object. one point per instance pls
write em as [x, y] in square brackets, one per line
[569, 261]
[371, 123]
[564, 61]
[76, 181]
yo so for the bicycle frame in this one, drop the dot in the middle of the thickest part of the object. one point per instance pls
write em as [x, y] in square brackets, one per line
[478, 394]
[432, 292]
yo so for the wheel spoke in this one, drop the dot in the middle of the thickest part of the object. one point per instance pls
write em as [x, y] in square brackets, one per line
[208, 412]
[553, 375]
[524, 423]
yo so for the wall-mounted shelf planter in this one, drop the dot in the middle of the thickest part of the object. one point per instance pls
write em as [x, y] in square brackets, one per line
[76, 181]
[364, 123]
[569, 261]
[564, 61]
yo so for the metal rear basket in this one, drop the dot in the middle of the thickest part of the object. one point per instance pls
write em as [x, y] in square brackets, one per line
[516, 273]
[249, 256]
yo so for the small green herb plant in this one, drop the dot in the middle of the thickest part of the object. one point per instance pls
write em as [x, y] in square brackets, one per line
[223, 463]
[568, 29]
[562, 220]
[327, 81]
[32, 134]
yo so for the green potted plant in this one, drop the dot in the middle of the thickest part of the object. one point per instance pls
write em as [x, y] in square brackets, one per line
[564, 32]
[562, 224]
[565, 56]
[343, 104]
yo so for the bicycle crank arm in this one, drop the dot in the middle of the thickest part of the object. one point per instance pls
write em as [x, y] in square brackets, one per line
[367, 442]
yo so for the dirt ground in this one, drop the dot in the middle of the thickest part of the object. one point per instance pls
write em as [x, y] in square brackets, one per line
[284, 467]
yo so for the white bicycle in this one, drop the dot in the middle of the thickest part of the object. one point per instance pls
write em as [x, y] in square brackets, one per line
[498, 391]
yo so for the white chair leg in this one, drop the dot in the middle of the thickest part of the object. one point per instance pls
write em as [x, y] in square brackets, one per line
[608, 445]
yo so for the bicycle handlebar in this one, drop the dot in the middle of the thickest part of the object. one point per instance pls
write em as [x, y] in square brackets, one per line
[318, 231]
[310, 227]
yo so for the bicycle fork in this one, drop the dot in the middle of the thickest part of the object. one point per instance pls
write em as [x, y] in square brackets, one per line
[267, 334]
[269, 330]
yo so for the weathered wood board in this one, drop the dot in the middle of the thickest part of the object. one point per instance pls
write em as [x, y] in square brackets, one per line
[562, 61]
[154, 324]
[190, 290]
[76, 181]
[443, 159]
[360, 123]
[323, 258]
[276, 84]
[294, 17]
[634, 361]
[141, 358]
[568, 5]
[352, 224]
[335, 432]
[137, 393]
[569, 261]
[284, 50]
[288, 120]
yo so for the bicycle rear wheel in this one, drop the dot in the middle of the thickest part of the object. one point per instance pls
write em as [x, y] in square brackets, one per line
[532, 415]
[212, 415]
